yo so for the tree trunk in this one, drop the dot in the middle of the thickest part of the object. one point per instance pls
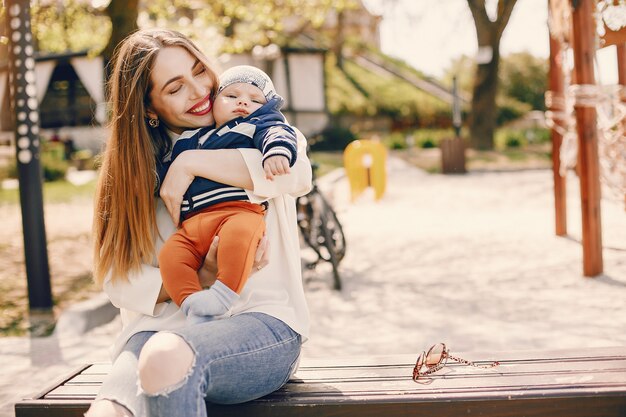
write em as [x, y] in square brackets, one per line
[123, 15]
[482, 120]
[339, 40]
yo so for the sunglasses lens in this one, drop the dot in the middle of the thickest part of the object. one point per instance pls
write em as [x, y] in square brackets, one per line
[434, 355]
[418, 366]
[420, 361]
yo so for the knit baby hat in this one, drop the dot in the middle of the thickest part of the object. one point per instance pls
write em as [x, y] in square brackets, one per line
[249, 75]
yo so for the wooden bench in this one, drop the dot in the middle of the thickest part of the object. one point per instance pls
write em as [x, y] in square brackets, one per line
[572, 383]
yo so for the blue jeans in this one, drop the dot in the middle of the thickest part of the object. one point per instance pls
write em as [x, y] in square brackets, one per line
[237, 359]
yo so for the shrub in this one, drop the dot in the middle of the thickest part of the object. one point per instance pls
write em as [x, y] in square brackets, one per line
[333, 138]
[428, 143]
[538, 135]
[513, 142]
[510, 109]
[53, 168]
[396, 140]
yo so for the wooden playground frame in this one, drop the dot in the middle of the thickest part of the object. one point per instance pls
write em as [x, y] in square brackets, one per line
[582, 35]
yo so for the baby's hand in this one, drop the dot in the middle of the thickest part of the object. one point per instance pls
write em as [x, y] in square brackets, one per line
[276, 165]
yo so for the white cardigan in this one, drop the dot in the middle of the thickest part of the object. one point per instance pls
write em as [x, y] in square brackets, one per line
[275, 290]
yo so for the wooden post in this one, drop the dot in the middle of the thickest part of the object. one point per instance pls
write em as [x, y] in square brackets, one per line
[589, 174]
[621, 76]
[557, 106]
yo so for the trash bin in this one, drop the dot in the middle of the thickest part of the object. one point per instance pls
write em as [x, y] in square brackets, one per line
[453, 156]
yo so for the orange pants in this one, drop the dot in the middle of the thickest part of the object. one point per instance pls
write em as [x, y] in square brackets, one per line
[240, 227]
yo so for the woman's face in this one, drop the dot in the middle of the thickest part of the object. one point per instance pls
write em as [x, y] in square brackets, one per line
[181, 90]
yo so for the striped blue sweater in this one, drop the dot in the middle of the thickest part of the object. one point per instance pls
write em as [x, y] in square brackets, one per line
[265, 129]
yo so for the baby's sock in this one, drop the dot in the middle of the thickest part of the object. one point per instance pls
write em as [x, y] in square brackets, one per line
[203, 305]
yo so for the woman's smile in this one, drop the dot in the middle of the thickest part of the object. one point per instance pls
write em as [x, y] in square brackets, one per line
[202, 108]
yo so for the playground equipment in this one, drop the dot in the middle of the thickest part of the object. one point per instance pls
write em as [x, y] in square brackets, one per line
[364, 162]
[587, 120]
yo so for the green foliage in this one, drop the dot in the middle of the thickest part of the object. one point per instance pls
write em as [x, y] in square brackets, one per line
[397, 98]
[396, 140]
[54, 192]
[342, 96]
[523, 77]
[54, 169]
[420, 138]
[217, 26]
[4, 173]
[382, 95]
[326, 161]
[510, 109]
[513, 142]
[52, 161]
[538, 135]
[522, 83]
[235, 26]
[84, 160]
[69, 25]
[519, 138]
[464, 69]
[332, 138]
[427, 144]
[430, 138]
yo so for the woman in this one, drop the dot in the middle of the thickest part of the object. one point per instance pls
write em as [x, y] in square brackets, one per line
[162, 84]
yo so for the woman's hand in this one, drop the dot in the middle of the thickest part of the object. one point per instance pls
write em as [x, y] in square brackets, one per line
[175, 184]
[207, 274]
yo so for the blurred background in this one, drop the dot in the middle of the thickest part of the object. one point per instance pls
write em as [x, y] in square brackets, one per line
[348, 69]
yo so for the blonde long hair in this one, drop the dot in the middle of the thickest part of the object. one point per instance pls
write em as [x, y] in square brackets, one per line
[124, 226]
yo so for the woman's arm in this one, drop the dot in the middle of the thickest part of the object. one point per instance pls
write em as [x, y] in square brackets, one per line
[237, 167]
[296, 183]
[222, 165]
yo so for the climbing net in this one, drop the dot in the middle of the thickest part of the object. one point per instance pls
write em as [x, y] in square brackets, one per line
[609, 102]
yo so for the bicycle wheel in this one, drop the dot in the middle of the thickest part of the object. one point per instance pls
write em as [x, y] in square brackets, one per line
[334, 240]
[305, 215]
[315, 217]
[330, 247]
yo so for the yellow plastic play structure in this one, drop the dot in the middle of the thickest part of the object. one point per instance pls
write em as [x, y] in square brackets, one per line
[364, 162]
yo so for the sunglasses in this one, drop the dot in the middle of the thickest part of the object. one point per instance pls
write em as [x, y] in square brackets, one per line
[436, 358]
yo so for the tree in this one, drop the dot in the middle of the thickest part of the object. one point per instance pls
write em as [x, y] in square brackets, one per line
[524, 77]
[482, 120]
[217, 26]
[69, 25]
[123, 15]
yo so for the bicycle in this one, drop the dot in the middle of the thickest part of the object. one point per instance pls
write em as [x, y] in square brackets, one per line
[321, 230]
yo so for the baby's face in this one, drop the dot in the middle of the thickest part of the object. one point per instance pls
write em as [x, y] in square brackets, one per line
[237, 100]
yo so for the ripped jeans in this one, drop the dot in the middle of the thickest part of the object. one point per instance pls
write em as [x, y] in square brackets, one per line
[237, 359]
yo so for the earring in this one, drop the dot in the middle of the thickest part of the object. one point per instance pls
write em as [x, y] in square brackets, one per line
[154, 123]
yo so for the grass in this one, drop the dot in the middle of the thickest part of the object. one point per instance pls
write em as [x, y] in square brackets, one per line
[326, 161]
[53, 192]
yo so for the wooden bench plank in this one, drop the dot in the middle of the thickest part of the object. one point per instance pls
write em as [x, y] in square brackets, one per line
[577, 407]
[544, 383]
